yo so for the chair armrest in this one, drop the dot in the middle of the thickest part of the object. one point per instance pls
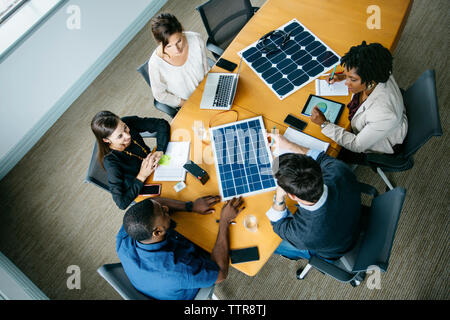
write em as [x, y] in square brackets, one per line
[205, 293]
[213, 48]
[331, 270]
[368, 189]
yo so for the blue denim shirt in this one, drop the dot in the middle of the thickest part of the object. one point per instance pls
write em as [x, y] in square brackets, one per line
[173, 269]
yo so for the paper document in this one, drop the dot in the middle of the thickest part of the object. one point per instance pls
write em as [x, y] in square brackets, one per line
[171, 169]
[336, 89]
[302, 139]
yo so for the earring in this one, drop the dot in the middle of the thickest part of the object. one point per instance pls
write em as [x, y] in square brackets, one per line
[371, 85]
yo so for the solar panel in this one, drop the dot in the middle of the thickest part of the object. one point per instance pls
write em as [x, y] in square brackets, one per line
[303, 58]
[242, 158]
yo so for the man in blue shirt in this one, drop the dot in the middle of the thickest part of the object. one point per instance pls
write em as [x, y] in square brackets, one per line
[160, 262]
[327, 220]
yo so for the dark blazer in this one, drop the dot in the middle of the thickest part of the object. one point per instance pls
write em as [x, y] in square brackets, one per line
[122, 169]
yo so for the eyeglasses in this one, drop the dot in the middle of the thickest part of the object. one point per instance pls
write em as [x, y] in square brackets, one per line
[273, 41]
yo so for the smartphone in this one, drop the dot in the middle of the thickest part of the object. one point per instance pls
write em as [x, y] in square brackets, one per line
[295, 122]
[244, 255]
[196, 171]
[151, 190]
[227, 65]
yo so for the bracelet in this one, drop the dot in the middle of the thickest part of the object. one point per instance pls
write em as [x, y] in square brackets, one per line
[276, 202]
[189, 206]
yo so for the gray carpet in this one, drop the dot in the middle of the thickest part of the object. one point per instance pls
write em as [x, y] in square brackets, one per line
[50, 219]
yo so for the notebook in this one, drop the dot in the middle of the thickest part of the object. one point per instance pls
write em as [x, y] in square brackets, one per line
[336, 89]
[171, 168]
[303, 140]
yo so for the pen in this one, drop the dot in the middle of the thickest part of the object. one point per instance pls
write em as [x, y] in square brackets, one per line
[232, 222]
[273, 131]
[332, 75]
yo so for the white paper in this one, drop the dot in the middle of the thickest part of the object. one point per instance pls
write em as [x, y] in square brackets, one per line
[336, 89]
[302, 139]
[174, 171]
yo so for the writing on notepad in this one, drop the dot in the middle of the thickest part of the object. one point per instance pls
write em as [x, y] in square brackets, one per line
[336, 89]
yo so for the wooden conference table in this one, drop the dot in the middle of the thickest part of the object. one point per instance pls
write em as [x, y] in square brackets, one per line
[340, 24]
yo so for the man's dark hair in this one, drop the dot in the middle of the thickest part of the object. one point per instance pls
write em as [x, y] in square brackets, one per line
[139, 219]
[373, 62]
[300, 175]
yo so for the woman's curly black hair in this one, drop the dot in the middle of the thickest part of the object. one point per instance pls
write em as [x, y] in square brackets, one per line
[373, 62]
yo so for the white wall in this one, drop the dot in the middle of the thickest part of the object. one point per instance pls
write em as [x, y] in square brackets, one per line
[41, 78]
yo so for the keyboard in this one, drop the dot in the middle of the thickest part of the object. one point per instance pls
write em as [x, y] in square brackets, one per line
[223, 92]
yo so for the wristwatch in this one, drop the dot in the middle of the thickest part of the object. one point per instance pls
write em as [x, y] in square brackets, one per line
[189, 206]
[323, 125]
[276, 202]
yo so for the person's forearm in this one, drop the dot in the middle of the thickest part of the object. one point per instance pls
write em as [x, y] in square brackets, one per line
[172, 204]
[220, 252]
[295, 148]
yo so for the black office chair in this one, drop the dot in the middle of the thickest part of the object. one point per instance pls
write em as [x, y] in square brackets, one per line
[223, 19]
[115, 275]
[96, 174]
[171, 111]
[423, 123]
[373, 249]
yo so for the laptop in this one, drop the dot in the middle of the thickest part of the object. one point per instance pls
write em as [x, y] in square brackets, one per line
[220, 89]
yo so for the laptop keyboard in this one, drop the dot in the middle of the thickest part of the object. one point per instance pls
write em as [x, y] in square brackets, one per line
[224, 87]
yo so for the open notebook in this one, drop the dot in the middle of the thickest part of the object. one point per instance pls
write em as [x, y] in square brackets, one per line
[171, 166]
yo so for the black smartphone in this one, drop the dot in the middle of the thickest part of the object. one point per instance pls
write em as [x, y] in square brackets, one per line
[295, 122]
[227, 65]
[151, 190]
[196, 171]
[244, 255]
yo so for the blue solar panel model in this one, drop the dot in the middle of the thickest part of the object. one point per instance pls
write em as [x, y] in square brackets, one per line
[242, 158]
[297, 62]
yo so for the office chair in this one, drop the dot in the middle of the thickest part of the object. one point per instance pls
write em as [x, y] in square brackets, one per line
[143, 70]
[423, 123]
[115, 275]
[373, 248]
[223, 19]
[96, 174]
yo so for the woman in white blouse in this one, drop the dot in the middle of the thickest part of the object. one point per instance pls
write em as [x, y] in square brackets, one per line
[377, 114]
[178, 64]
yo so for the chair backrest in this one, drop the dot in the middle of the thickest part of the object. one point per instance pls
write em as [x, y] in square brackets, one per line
[422, 112]
[223, 19]
[375, 247]
[143, 70]
[96, 174]
[116, 277]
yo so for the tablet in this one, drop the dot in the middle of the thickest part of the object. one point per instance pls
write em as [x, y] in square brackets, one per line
[331, 109]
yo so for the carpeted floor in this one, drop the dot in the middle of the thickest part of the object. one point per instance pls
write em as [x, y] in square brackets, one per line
[50, 219]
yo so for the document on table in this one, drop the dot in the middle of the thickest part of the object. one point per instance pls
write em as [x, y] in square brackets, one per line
[171, 169]
[303, 140]
[336, 89]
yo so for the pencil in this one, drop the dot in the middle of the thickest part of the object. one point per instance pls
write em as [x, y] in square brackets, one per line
[334, 70]
[232, 222]
[273, 131]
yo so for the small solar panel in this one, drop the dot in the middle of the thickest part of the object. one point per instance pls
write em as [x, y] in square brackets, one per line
[242, 158]
[302, 58]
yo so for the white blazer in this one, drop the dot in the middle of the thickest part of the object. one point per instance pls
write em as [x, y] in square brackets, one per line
[379, 123]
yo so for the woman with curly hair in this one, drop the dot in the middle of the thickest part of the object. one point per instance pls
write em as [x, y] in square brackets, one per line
[376, 111]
